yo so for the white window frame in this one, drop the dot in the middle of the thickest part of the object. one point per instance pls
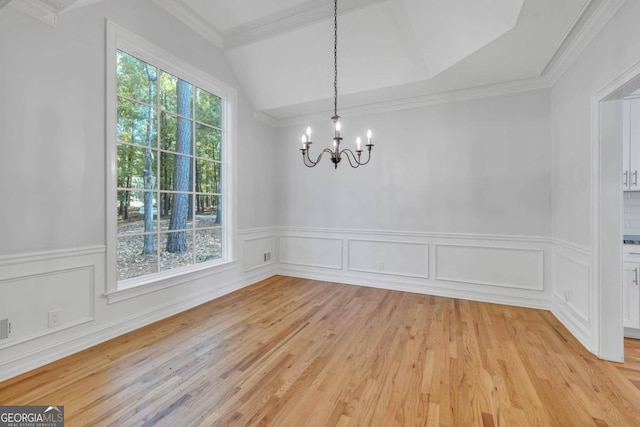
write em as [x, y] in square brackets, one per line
[118, 38]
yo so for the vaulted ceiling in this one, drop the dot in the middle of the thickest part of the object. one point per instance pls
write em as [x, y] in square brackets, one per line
[389, 50]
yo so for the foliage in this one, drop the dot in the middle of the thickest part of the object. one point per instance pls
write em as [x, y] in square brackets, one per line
[168, 154]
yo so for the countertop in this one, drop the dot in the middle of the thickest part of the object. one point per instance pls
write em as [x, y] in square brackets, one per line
[631, 239]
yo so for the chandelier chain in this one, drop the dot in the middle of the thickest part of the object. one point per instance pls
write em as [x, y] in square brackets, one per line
[335, 58]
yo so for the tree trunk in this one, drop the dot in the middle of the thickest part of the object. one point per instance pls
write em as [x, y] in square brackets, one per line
[216, 200]
[199, 207]
[191, 208]
[148, 177]
[165, 199]
[177, 242]
[149, 246]
[127, 198]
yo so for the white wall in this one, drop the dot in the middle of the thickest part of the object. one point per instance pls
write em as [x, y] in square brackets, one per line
[614, 50]
[455, 201]
[52, 182]
[474, 167]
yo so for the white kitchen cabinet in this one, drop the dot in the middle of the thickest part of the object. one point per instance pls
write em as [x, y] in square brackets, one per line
[631, 144]
[631, 286]
[631, 295]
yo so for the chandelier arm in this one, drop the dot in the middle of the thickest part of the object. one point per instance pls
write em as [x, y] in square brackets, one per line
[308, 159]
[351, 155]
[310, 163]
[368, 155]
[356, 158]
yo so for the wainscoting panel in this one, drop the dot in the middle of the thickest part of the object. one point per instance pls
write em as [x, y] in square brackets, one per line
[505, 267]
[572, 277]
[387, 257]
[571, 299]
[46, 295]
[308, 251]
[258, 252]
[492, 268]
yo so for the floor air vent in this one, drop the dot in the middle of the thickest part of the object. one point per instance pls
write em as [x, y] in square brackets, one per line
[5, 329]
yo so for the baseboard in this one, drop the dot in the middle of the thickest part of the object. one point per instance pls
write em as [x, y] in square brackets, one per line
[425, 288]
[573, 323]
[632, 333]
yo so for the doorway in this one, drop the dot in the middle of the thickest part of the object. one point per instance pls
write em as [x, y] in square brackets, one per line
[607, 213]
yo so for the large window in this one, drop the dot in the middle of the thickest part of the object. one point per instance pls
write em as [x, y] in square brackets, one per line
[170, 171]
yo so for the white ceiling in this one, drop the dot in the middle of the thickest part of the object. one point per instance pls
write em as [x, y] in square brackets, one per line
[226, 15]
[389, 50]
[282, 50]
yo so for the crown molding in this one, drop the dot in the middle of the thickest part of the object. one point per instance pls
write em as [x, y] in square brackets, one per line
[192, 19]
[266, 119]
[569, 34]
[46, 11]
[592, 19]
[480, 92]
[278, 23]
[41, 10]
[59, 5]
[288, 20]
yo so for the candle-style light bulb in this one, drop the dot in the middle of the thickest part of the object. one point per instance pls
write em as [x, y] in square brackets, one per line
[309, 133]
[358, 142]
[369, 136]
[304, 141]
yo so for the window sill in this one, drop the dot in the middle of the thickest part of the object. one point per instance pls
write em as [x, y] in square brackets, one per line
[170, 280]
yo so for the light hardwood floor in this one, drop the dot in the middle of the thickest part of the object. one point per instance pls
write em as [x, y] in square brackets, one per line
[293, 352]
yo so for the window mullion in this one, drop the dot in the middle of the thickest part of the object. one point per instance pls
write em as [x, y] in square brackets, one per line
[194, 201]
[158, 169]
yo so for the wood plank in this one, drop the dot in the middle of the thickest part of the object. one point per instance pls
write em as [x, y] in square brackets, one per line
[290, 351]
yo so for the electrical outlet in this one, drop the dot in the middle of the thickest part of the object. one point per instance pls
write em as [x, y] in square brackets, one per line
[55, 317]
[5, 329]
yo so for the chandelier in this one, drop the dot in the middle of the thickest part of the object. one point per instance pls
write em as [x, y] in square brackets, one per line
[355, 159]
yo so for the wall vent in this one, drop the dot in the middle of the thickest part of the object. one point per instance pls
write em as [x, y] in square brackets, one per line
[5, 329]
[267, 256]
